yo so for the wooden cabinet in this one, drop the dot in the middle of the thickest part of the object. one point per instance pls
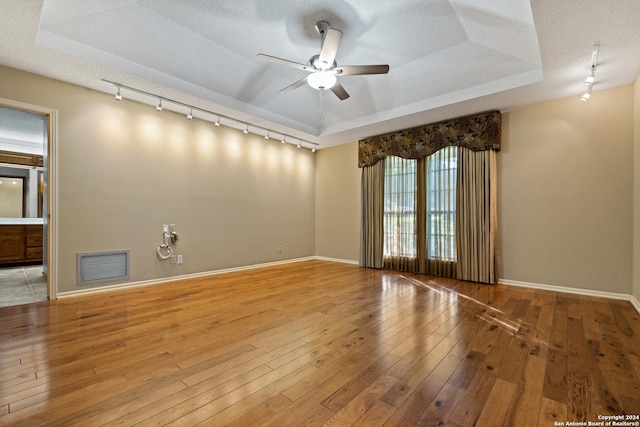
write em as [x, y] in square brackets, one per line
[20, 244]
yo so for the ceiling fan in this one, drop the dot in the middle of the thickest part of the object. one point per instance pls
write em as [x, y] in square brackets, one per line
[323, 67]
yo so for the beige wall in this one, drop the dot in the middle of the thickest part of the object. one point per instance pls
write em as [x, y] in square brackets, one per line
[338, 202]
[565, 178]
[125, 169]
[636, 189]
[565, 175]
[565, 202]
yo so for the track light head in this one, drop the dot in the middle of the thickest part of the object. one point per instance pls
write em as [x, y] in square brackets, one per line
[246, 130]
[590, 80]
[267, 136]
[118, 95]
[159, 106]
[218, 122]
[313, 150]
[190, 115]
[299, 144]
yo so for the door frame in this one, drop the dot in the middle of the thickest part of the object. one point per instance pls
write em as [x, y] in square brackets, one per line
[51, 181]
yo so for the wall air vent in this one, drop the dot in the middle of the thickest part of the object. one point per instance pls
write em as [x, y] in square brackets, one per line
[96, 267]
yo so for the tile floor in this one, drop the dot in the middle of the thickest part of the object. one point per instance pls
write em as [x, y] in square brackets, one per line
[22, 285]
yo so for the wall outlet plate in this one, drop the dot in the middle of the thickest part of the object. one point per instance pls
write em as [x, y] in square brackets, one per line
[180, 259]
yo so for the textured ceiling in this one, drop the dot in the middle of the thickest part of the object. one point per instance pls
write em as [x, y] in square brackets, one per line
[447, 58]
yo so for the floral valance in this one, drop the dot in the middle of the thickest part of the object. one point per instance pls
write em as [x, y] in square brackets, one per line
[478, 132]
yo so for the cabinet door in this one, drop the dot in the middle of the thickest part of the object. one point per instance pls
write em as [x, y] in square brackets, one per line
[11, 248]
[34, 243]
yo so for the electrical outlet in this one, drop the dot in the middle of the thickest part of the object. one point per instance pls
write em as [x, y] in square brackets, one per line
[279, 249]
[180, 259]
[173, 259]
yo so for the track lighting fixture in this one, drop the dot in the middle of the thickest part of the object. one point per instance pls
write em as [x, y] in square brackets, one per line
[590, 80]
[229, 121]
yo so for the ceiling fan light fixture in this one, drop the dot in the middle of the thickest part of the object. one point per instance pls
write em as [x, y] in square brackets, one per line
[321, 80]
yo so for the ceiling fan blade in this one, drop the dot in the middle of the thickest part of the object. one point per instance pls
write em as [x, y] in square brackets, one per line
[284, 62]
[295, 85]
[355, 70]
[329, 48]
[339, 91]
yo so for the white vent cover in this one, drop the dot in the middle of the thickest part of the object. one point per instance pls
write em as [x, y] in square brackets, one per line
[100, 266]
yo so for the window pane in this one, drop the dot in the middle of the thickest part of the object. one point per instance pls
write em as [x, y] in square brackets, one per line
[441, 204]
[400, 237]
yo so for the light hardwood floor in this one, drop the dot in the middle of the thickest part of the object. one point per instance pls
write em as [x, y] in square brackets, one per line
[319, 343]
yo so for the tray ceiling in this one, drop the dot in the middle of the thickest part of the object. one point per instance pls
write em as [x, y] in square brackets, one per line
[446, 58]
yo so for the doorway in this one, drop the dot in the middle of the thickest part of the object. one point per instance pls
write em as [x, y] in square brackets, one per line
[27, 135]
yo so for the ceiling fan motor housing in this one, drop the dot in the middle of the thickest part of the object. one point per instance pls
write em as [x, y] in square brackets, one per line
[315, 62]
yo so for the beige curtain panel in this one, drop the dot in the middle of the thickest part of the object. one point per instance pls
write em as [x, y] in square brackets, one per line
[476, 218]
[372, 231]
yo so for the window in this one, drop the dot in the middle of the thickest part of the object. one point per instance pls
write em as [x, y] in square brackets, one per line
[400, 232]
[401, 201]
[441, 204]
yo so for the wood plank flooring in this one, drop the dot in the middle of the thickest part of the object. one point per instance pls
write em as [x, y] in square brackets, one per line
[319, 343]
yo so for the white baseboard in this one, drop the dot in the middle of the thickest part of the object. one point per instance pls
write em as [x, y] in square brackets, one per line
[578, 291]
[129, 285]
[343, 261]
